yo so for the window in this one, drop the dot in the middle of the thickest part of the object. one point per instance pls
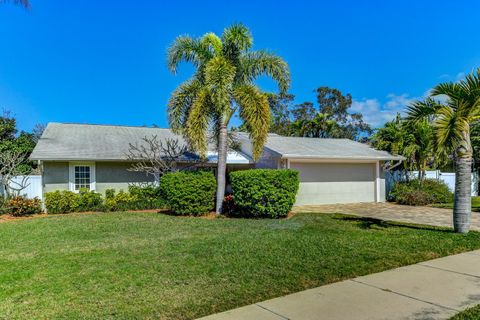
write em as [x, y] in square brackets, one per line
[82, 176]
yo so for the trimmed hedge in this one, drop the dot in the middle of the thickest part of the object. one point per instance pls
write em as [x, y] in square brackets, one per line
[189, 192]
[138, 198]
[421, 193]
[264, 192]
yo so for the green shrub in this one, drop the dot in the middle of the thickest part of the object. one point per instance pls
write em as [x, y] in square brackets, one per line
[421, 193]
[189, 192]
[121, 201]
[3, 203]
[20, 206]
[61, 202]
[147, 197]
[109, 194]
[138, 198]
[89, 201]
[264, 192]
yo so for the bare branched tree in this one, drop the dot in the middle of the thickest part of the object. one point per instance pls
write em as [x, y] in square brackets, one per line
[156, 157]
[11, 167]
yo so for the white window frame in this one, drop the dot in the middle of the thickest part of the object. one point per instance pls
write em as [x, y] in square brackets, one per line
[71, 174]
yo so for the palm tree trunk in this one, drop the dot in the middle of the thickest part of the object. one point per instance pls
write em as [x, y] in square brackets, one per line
[462, 208]
[221, 168]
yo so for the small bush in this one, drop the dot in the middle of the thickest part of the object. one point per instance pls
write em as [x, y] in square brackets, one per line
[421, 193]
[89, 201]
[228, 205]
[264, 192]
[139, 198]
[61, 202]
[189, 192]
[121, 201]
[20, 206]
[147, 197]
[3, 203]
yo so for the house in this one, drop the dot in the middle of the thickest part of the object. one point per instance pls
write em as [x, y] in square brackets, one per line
[75, 156]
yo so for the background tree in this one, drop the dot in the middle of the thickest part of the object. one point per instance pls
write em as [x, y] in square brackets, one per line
[413, 140]
[280, 109]
[332, 102]
[222, 85]
[14, 142]
[320, 126]
[452, 122]
[11, 166]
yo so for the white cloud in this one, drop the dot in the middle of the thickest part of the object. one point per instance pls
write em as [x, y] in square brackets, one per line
[377, 113]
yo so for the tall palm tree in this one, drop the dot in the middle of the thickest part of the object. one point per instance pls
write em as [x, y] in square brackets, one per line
[223, 84]
[452, 121]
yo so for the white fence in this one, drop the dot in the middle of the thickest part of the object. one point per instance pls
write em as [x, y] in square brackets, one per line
[447, 177]
[33, 185]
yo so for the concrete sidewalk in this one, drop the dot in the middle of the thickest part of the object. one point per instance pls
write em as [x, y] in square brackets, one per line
[435, 289]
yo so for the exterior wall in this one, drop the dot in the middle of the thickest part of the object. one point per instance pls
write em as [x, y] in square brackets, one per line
[55, 176]
[108, 175]
[383, 193]
[326, 183]
[115, 175]
[268, 160]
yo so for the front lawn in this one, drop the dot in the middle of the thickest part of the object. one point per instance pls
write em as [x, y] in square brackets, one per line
[469, 314]
[475, 204]
[147, 265]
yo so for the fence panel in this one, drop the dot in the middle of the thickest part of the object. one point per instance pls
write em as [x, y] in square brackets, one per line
[33, 185]
[447, 177]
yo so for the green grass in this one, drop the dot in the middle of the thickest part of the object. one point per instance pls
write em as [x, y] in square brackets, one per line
[475, 204]
[469, 314]
[146, 265]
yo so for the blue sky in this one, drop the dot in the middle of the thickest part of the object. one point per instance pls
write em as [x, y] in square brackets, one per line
[104, 61]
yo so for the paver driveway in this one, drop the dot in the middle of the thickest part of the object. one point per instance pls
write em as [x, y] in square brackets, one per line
[393, 212]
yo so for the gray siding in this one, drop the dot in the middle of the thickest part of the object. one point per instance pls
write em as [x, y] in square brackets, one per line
[55, 176]
[115, 175]
[109, 175]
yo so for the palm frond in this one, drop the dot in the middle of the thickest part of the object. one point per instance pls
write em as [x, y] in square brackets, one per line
[452, 90]
[255, 112]
[213, 41]
[219, 75]
[257, 63]
[236, 39]
[449, 128]
[180, 102]
[197, 123]
[187, 49]
[422, 109]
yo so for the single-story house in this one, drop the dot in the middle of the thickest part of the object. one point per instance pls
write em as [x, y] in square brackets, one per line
[75, 156]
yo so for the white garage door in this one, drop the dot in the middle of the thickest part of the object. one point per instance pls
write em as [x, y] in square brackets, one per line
[326, 183]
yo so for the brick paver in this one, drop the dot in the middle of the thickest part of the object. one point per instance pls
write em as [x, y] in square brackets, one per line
[393, 212]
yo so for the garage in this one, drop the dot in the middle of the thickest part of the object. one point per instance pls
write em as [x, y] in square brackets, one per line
[328, 182]
[331, 170]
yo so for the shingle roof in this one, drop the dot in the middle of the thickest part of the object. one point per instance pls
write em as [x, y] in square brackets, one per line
[321, 148]
[62, 141]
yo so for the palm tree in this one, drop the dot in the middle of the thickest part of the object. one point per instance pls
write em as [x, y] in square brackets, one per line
[413, 140]
[223, 84]
[321, 126]
[452, 121]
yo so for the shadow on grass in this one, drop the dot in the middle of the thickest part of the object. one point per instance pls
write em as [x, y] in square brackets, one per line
[369, 223]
